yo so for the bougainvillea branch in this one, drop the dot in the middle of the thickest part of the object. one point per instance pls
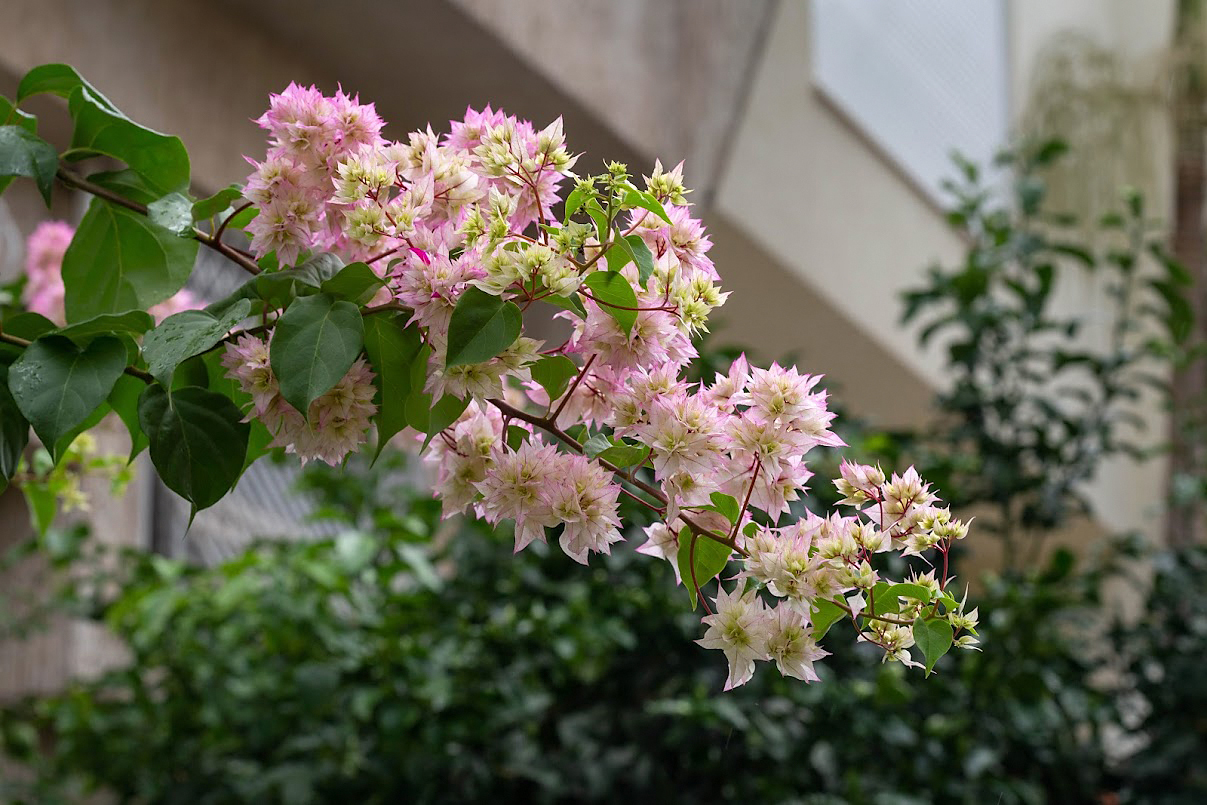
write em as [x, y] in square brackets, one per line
[396, 290]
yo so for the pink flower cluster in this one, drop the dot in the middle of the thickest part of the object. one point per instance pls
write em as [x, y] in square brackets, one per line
[44, 250]
[475, 208]
[337, 422]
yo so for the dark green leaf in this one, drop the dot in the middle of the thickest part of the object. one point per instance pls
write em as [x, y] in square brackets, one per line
[23, 325]
[516, 436]
[57, 384]
[207, 208]
[641, 256]
[355, 282]
[101, 130]
[482, 326]
[392, 348]
[173, 212]
[127, 184]
[124, 402]
[132, 322]
[185, 334]
[1180, 316]
[554, 373]
[56, 79]
[198, 441]
[23, 153]
[934, 638]
[14, 431]
[119, 261]
[279, 288]
[708, 556]
[315, 343]
[614, 296]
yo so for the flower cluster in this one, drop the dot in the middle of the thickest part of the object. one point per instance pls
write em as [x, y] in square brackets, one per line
[44, 250]
[337, 422]
[463, 231]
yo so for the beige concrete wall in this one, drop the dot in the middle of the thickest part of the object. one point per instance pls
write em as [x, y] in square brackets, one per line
[669, 76]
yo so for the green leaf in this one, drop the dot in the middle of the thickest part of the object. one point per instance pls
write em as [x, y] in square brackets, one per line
[119, 261]
[23, 325]
[220, 202]
[9, 114]
[641, 255]
[279, 288]
[14, 431]
[23, 153]
[198, 441]
[392, 348]
[708, 556]
[219, 383]
[554, 373]
[43, 505]
[573, 303]
[419, 403]
[185, 334]
[133, 322]
[516, 436]
[355, 282]
[726, 505]
[127, 184]
[447, 410]
[625, 455]
[615, 297]
[124, 402]
[597, 214]
[1180, 319]
[314, 345]
[916, 591]
[482, 326]
[101, 130]
[575, 200]
[639, 198]
[57, 384]
[173, 212]
[828, 613]
[56, 79]
[934, 638]
[596, 445]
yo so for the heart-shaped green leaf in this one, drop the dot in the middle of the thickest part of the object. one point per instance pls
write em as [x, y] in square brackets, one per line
[482, 326]
[57, 384]
[315, 343]
[198, 441]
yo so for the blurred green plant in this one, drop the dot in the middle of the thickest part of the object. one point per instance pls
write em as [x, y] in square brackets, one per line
[1039, 393]
[418, 662]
